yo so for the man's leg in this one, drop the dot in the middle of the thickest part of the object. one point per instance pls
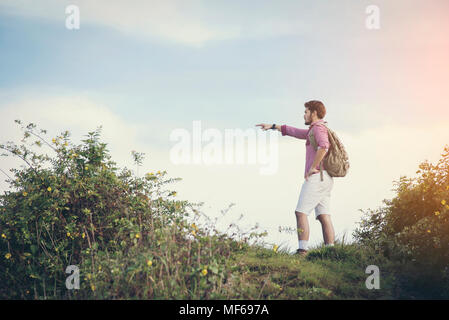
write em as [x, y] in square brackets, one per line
[302, 224]
[328, 228]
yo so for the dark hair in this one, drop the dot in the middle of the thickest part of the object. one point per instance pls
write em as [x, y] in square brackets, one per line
[318, 106]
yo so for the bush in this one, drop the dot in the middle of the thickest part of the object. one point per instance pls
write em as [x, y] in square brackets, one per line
[128, 236]
[413, 229]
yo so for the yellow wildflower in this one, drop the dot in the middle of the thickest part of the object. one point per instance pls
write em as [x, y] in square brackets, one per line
[3, 236]
[8, 255]
[25, 193]
[68, 234]
[194, 233]
[194, 226]
[149, 263]
[49, 189]
[83, 235]
[428, 231]
[275, 248]
[443, 202]
[437, 213]
[137, 235]
[53, 140]
[204, 271]
[92, 286]
[447, 206]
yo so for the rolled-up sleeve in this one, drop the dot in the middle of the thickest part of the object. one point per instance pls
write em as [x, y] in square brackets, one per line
[321, 136]
[294, 132]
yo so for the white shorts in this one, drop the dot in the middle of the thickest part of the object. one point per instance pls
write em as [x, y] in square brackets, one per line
[316, 194]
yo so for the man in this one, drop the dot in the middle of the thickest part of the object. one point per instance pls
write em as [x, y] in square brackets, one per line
[315, 193]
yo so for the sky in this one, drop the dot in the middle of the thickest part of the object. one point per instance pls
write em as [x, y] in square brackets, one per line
[142, 69]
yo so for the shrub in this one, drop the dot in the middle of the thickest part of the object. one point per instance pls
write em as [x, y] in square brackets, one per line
[413, 229]
[129, 237]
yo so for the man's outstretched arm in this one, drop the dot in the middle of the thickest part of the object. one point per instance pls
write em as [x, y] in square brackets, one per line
[286, 130]
[293, 132]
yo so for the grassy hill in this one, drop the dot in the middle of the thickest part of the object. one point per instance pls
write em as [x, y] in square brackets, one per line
[325, 273]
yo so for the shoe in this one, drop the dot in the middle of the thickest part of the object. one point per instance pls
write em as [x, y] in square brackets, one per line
[301, 252]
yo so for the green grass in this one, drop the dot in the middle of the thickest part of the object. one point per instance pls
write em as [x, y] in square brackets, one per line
[325, 273]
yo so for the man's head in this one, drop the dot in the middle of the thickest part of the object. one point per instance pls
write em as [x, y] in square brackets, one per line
[314, 111]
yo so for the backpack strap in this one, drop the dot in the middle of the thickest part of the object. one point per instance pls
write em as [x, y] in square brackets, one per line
[312, 137]
[315, 147]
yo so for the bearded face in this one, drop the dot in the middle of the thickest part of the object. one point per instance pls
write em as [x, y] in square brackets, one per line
[307, 117]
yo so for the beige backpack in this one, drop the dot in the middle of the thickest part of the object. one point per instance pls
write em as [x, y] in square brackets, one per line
[335, 161]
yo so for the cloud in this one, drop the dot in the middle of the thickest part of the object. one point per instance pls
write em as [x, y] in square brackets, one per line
[192, 23]
[77, 114]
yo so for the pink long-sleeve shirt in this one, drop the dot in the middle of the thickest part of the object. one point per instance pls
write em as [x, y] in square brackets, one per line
[321, 137]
